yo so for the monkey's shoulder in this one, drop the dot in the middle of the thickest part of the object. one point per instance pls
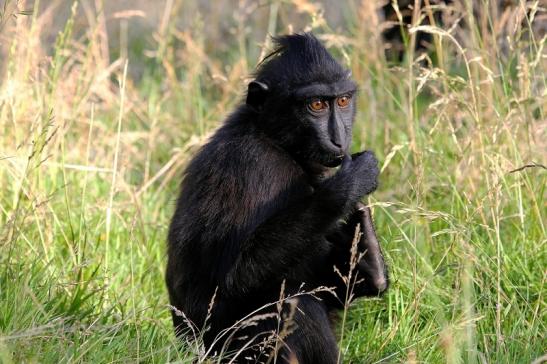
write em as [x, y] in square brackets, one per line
[239, 161]
[236, 181]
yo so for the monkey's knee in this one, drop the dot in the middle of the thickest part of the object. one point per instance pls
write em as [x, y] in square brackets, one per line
[312, 339]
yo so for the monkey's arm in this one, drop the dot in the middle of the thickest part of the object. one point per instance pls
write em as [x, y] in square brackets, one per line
[285, 242]
[293, 239]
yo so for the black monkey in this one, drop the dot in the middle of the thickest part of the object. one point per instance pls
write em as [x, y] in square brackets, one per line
[262, 205]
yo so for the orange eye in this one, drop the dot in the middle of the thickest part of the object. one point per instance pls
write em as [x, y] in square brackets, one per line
[343, 101]
[317, 105]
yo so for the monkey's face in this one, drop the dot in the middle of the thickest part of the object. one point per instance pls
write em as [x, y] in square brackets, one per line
[313, 122]
[303, 99]
[324, 114]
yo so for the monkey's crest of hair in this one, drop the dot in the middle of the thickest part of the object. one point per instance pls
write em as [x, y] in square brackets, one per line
[303, 60]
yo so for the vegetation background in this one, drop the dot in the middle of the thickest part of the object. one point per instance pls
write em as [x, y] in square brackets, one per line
[103, 103]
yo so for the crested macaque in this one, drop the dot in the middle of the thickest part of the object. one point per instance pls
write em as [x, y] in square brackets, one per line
[272, 202]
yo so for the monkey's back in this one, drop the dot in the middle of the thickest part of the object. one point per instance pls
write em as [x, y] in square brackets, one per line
[235, 182]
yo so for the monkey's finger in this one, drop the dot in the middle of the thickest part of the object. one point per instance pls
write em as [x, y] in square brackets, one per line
[346, 162]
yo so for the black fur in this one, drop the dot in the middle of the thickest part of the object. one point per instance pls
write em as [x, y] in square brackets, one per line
[260, 205]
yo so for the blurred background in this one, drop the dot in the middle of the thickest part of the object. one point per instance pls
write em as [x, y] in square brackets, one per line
[102, 104]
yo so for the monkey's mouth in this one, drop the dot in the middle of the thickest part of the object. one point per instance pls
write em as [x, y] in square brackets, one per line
[334, 162]
[323, 166]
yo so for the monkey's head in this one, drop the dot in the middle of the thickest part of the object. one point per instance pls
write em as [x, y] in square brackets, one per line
[304, 100]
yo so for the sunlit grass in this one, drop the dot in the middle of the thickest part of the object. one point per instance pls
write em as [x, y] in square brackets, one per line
[90, 160]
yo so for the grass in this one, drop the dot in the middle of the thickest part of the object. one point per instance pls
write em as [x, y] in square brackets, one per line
[91, 155]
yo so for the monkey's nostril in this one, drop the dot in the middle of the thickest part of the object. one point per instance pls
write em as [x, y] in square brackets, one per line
[336, 143]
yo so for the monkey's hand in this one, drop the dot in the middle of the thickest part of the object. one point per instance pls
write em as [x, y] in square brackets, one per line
[357, 177]
[364, 167]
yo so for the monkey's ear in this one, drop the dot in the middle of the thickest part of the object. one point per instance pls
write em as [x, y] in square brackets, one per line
[256, 94]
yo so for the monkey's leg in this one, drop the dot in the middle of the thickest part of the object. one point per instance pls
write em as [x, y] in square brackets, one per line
[301, 335]
[369, 277]
[372, 266]
[312, 340]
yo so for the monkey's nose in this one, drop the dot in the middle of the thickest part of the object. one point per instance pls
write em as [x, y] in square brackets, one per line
[335, 143]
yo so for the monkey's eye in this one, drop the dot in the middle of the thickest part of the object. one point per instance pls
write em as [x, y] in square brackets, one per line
[318, 105]
[343, 101]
